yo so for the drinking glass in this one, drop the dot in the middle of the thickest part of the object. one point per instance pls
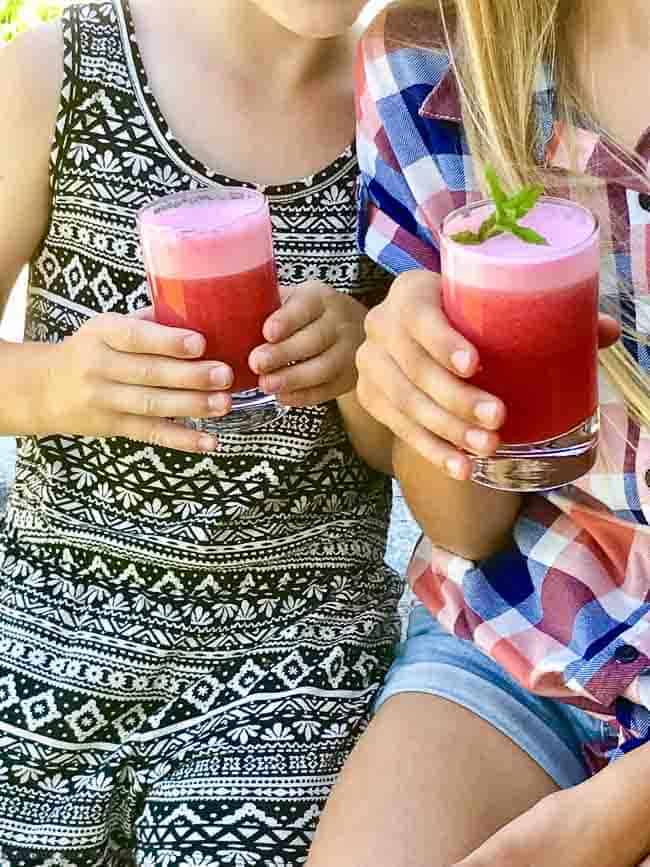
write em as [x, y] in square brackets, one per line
[531, 311]
[210, 268]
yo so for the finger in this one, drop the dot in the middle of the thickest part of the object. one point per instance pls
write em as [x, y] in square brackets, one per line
[498, 852]
[164, 403]
[133, 335]
[311, 396]
[453, 394]
[326, 367]
[309, 342]
[609, 331]
[157, 372]
[462, 426]
[441, 454]
[168, 435]
[417, 406]
[147, 314]
[302, 307]
[416, 313]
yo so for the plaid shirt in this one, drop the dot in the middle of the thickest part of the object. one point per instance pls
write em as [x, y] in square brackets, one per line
[567, 609]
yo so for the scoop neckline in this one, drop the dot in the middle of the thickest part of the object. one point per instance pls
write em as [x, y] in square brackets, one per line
[191, 166]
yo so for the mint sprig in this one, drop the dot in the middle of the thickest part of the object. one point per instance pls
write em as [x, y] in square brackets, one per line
[508, 210]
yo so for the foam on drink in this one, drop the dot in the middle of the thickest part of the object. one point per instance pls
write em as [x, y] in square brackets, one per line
[208, 237]
[211, 269]
[502, 261]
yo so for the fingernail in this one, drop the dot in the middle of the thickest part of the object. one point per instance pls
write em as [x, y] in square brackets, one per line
[462, 360]
[455, 468]
[218, 402]
[487, 412]
[260, 361]
[194, 344]
[220, 376]
[271, 330]
[270, 385]
[478, 440]
[208, 444]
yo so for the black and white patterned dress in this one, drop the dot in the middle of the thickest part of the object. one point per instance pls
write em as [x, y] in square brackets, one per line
[189, 645]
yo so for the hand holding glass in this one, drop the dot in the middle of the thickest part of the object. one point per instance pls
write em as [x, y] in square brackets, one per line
[210, 268]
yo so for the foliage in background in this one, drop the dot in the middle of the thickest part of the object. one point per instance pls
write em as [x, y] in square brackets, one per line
[17, 15]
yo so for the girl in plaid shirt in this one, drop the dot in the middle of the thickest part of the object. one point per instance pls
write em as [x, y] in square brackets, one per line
[528, 665]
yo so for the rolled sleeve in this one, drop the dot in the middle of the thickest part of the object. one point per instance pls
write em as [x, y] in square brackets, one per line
[559, 610]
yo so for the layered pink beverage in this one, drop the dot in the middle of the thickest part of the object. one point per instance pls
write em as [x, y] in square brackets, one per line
[532, 313]
[210, 268]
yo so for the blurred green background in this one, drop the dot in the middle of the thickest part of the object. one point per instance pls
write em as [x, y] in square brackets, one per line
[16, 15]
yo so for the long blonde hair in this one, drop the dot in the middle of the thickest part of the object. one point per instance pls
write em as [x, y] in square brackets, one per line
[498, 48]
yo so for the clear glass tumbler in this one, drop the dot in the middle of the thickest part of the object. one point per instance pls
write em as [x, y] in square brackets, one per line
[532, 313]
[210, 267]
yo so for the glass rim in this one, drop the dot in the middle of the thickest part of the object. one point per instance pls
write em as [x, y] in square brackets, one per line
[475, 252]
[173, 200]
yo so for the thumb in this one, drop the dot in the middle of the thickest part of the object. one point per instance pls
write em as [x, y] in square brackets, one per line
[144, 313]
[608, 331]
[476, 859]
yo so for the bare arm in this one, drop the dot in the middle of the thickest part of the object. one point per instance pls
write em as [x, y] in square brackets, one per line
[466, 519]
[409, 380]
[371, 440]
[603, 822]
[31, 70]
[30, 79]
[118, 375]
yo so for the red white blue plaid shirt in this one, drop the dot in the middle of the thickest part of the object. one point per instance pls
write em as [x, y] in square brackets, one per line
[567, 609]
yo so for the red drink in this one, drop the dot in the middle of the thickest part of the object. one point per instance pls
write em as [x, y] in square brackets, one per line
[531, 311]
[229, 310]
[536, 351]
[210, 269]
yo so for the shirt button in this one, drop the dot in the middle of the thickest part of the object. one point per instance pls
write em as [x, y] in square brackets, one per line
[644, 201]
[626, 653]
[647, 478]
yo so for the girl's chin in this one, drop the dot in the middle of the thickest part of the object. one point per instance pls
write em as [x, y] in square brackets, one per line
[317, 19]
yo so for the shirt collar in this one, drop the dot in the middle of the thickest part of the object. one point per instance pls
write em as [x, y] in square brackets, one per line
[444, 102]
[597, 156]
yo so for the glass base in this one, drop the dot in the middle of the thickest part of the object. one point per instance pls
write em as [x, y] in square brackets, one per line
[251, 410]
[540, 466]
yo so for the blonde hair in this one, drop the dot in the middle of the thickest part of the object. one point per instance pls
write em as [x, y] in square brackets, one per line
[498, 48]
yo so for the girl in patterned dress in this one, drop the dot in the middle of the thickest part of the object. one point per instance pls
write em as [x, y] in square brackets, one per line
[191, 631]
[527, 665]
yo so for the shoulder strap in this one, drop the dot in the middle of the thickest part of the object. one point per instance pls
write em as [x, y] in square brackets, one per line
[69, 28]
[93, 62]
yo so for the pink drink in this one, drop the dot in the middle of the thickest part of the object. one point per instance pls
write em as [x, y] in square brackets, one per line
[532, 313]
[210, 268]
[222, 285]
[229, 311]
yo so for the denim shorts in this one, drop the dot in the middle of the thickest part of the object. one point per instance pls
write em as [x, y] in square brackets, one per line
[553, 734]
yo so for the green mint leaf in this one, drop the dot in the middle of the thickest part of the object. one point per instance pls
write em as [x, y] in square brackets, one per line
[525, 200]
[508, 210]
[530, 236]
[489, 229]
[496, 190]
[466, 238]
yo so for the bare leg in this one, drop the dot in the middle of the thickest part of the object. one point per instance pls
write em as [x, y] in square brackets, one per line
[426, 785]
